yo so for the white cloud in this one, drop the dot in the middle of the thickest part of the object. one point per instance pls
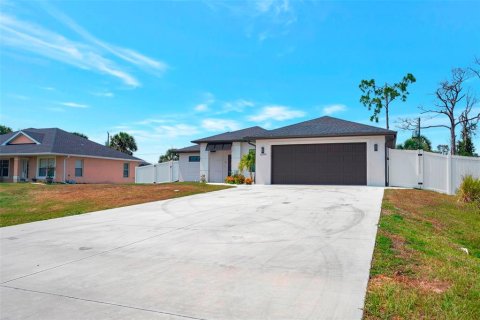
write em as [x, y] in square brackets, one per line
[176, 130]
[159, 129]
[55, 109]
[201, 107]
[237, 106]
[106, 94]
[262, 19]
[89, 55]
[123, 53]
[18, 96]
[334, 108]
[220, 125]
[278, 113]
[152, 121]
[73, 105]
[208, 99]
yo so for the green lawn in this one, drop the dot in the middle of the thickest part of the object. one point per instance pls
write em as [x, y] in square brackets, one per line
[418, 269]
[25, 202]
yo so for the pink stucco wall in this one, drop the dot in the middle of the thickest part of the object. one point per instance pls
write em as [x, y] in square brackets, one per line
[95, 170]
[21, 139]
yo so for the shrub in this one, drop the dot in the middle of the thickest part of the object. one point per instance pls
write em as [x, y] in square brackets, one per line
[239, 178]
[203, 179]
[469, 190]
[230, 179]
[248, 181]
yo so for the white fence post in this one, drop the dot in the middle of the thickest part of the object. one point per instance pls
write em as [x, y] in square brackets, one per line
[420, 169]
[449, 174]
[154, 173]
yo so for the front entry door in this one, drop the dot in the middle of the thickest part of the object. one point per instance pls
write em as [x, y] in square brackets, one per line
[229, 164]
[24, 169]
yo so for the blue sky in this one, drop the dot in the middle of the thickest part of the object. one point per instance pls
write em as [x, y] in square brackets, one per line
[170, 72]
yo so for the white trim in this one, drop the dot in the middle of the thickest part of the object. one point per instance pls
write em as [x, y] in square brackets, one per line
[16, 135]
[64, 154]
[38, 176]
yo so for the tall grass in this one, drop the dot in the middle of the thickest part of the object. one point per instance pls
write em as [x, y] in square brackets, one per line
[469, 190]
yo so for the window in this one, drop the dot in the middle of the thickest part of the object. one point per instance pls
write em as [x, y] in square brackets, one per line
[46, 167]
[78, 168]
[194, 159]
[126, 168]
[4, 166]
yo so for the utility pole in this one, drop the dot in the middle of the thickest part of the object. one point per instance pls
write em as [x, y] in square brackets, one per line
[418, 128]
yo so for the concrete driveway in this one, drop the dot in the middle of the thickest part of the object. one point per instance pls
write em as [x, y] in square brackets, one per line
[261, 252]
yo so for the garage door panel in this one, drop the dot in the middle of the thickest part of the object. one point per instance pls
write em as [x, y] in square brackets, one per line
[332, 163]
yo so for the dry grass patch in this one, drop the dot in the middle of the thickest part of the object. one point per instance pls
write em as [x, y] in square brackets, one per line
[21, 203]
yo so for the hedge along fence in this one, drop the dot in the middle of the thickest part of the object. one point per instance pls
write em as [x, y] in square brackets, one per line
[431, 171]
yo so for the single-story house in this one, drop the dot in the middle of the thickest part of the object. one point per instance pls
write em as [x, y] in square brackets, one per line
[189, 163]
[31, 154]
[325, 150]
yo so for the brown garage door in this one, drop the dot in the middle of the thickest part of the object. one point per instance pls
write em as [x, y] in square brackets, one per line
[331, 163]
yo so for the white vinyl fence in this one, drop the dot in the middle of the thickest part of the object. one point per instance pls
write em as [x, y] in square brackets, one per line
[432, 171]
[157, 173]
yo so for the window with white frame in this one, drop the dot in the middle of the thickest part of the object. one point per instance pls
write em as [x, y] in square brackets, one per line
[4, 166]
[46, 167]
[126, 169]
[78, 168]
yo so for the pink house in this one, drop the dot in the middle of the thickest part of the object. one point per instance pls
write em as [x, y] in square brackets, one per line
[35, 154]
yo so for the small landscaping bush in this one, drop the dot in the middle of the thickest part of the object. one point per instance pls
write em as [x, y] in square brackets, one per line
[236, 179]
[248, 181]
[469, 190]
[239, 178]
[230, 180]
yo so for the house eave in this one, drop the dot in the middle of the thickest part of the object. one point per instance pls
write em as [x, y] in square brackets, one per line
[322, 136]
[66, 155]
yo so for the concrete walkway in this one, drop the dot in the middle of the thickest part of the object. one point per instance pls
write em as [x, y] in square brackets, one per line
[257, 252]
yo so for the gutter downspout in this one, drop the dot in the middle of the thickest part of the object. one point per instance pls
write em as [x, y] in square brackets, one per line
[64, 169]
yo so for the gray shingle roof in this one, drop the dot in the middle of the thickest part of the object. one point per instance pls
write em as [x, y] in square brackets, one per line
[238, 135]
[323, 127]
[194, 148]
[57, 141]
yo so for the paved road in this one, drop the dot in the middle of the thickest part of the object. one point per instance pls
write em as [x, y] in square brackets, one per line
[261, 252]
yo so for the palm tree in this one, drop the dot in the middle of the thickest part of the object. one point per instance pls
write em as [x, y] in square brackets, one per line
[416, 143]
[5, 129]
[170, 155]
[123, 142]
[247, 162]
